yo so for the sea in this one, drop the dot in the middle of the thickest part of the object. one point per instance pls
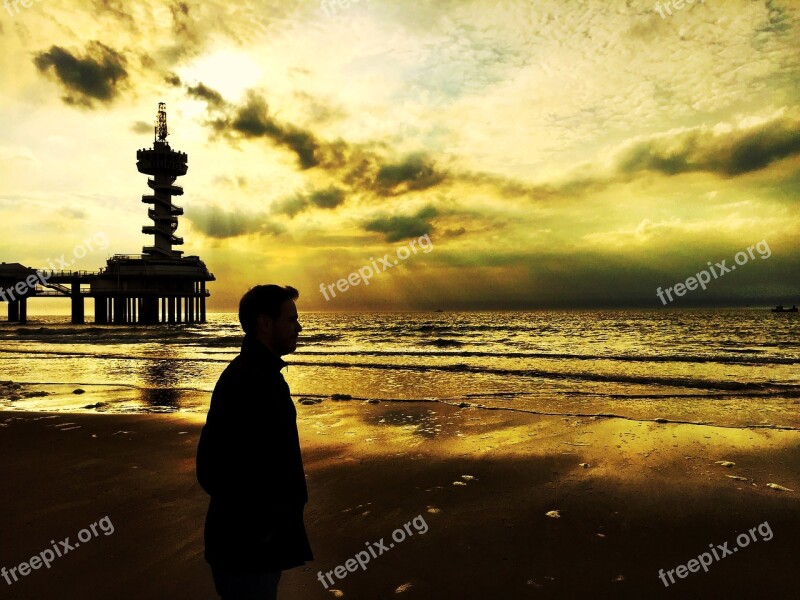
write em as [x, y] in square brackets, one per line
[733, 367]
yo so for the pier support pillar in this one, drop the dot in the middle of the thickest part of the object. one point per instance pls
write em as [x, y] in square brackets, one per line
[149, 310]
[170, 309]
[101, 310]
[78, 316]
[13, 311]
[203, 302]
[119, 310]
[23, 310]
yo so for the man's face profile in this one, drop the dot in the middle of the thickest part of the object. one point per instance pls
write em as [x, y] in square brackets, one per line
[280, 335]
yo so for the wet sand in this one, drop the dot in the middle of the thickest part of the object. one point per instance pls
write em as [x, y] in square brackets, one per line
[652, 497]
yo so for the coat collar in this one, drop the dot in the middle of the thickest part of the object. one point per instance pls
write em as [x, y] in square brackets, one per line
[254, 350]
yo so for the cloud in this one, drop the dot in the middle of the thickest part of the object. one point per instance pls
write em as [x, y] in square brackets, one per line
[455, 232]
[725, 150]
[202, 92]
[114, 8]
[414, 173]
[328, 198]
[290, 206]
[401, 227]
[217, 223]
[172, 79]
[142, 127]
[95, 76]
[355, 165]
[252, 120]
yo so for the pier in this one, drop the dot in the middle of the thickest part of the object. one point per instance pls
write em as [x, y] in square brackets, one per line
[158, 286]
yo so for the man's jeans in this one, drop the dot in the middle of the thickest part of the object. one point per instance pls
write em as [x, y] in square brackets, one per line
[246, 586]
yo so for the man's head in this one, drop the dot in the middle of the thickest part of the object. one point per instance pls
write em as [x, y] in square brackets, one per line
[268, 313]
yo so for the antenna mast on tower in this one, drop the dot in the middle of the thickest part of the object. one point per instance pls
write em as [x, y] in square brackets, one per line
[161, 123]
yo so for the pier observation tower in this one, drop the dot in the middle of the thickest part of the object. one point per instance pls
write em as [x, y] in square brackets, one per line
[165, 165]
[158, 286]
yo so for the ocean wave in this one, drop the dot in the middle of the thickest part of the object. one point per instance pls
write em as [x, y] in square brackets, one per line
[742, 360]
[675, 382]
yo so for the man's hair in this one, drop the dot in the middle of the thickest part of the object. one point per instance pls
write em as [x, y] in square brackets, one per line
[263, 300]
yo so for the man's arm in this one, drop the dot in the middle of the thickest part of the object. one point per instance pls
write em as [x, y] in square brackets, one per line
[242, 456]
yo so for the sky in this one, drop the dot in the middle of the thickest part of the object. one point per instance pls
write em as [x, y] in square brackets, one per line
[473, 154]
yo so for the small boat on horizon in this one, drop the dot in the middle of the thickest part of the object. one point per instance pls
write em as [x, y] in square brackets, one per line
[781, 309]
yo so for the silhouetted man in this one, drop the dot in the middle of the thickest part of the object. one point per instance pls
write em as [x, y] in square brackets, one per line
[248, 458]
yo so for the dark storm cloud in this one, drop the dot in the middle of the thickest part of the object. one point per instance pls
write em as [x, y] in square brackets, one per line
[328, 198]
[217, 223]
[172, 79]
[729, 154]
[415, 172]
[252, 120]
[94, 76]
[202, 92]
[357, 166]
[455, 232]
[725, 151]
[401, 227]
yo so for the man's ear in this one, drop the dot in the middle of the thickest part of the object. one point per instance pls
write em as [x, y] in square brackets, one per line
[263, 323]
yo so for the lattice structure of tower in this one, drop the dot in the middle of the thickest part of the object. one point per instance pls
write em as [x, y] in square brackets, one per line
[164, 165]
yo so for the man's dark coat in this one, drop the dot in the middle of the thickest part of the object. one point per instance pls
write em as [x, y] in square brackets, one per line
[249, 462]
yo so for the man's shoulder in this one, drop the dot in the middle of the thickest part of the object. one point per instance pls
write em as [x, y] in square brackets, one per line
[243, 366]
[245, 374]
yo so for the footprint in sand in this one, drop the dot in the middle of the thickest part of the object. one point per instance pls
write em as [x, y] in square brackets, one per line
[553, 514]
[402, 588]
[336, 593]
[433, 510]
[459, 483]
[725, 463]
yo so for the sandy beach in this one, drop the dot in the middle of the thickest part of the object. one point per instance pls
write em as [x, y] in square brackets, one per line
[652, 497]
